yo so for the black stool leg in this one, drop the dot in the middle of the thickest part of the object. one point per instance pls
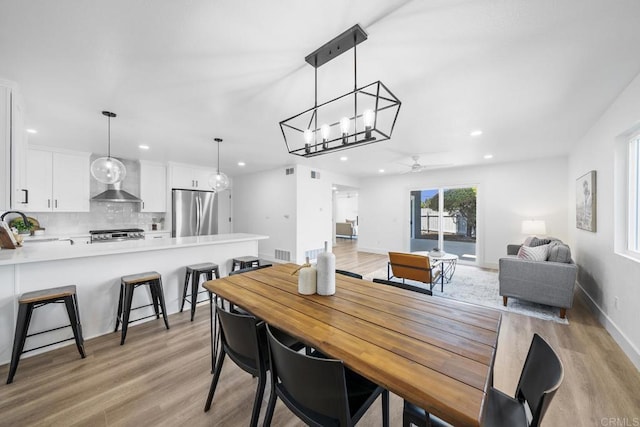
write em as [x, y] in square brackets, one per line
[71, 303]
[187, 275]
[128, 298]
[119, 315]
[195, 284]
[154, 298]
[22, 326]
[216, 271]
[161, 298]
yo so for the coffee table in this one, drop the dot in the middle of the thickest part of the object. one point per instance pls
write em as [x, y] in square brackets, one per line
[447, 263]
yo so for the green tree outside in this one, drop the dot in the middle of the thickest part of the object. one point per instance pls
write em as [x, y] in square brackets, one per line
[458, 201]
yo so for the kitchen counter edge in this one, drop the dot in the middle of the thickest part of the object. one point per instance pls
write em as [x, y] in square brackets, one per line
[37, 253]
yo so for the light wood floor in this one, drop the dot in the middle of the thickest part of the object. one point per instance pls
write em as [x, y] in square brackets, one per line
[161, 377]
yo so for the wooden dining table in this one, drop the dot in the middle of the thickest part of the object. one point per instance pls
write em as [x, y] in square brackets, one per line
[432, 351]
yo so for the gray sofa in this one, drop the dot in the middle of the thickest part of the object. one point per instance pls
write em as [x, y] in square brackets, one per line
[549, 282]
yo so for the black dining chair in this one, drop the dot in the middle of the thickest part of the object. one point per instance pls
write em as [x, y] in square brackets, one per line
[401, 285]
[349, 273]
[242, 338]
[320, 391]
[540, 379]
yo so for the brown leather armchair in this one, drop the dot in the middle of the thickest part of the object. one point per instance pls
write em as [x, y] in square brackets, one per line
[413, 267]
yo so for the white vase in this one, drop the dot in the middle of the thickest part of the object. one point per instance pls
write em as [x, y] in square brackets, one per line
[307, 279]
[326, 282]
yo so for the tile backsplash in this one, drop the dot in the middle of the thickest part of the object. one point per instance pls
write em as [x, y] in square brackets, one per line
[102, 216]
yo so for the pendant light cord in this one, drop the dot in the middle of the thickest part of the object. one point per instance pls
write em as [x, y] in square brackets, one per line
[109, 137]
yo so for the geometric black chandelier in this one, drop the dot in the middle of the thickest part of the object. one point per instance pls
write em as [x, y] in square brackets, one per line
[360, 117]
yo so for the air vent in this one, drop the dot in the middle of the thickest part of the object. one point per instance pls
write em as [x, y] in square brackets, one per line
[289, 171]
[315, 175]
[312, 254]
[282, 255]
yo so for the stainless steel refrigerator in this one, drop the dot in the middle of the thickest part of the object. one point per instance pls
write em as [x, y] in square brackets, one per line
[195, 213]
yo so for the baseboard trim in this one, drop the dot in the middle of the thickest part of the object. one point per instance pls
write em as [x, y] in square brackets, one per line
[610, 326]
[373, 250]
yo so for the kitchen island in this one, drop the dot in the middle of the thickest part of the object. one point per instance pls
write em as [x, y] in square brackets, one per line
[96, 270]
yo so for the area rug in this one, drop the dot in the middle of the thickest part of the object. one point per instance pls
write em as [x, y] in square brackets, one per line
[479, 286]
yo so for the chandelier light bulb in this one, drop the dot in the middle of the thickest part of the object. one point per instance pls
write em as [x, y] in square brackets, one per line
[368, 117]
[308, 136]
[325, 130]
[345, 124]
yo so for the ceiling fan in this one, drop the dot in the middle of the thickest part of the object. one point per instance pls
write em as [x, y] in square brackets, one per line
[417, 167]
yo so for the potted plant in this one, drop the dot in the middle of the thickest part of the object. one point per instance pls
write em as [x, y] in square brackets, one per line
[22, 227]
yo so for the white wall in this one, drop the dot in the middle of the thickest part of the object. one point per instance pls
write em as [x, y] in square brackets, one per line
[293, 210]
[314, 211]
[265, 203]
[604, 273]
[507, 194]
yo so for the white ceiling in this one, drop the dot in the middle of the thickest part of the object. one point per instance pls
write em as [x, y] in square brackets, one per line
[533, 75]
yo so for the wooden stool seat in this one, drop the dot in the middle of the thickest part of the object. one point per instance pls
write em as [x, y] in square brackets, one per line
[153, 279]
[133, 279]
[28, 302]
[243, 262]
[193, 274]
[47, 294]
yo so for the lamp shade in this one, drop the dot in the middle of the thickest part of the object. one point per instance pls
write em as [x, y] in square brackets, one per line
[534, 226]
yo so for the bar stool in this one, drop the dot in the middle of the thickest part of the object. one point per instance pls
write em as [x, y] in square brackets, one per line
[244, 262]
[194, 272]
[32, 300]
[127, 286]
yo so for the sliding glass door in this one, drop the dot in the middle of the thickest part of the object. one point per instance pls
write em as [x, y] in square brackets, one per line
[446, 220]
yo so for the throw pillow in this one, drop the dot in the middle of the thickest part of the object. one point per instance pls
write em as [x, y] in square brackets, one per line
[559, 252]
[536, 241]
[537, 253]
[528, 240]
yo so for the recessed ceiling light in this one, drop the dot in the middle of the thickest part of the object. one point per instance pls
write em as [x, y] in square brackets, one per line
[32, 131]
[344, 158]
[381, 170]
[488, 156]
[334, 188]
[241, 163]
[476, 133]
[143, 147]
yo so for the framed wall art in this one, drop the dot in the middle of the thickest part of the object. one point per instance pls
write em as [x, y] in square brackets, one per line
[586, 202]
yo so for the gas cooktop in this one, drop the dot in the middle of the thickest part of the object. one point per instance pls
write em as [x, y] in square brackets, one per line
[116, 235]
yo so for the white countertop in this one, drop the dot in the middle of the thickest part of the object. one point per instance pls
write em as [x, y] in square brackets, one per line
[37, 252]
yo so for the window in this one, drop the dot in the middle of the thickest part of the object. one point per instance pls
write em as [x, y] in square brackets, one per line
[444, 218]
[633, 240]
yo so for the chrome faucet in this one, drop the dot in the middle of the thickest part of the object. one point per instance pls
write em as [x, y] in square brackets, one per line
[24, 217]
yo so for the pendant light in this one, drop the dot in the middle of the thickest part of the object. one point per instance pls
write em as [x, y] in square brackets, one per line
[219, 181]
[107, 169]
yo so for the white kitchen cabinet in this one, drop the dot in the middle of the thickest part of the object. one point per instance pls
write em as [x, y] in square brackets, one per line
[190, 177]
[57, 181]
[12, 148]
[153, 187]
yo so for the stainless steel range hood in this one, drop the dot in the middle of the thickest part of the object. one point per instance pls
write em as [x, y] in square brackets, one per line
[122, 192]
[115, 194]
